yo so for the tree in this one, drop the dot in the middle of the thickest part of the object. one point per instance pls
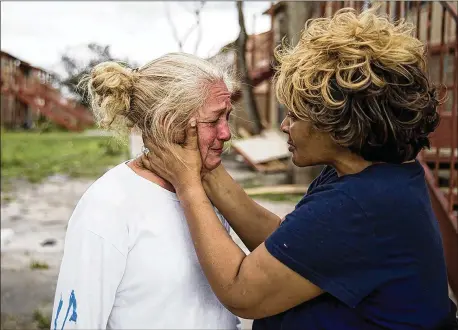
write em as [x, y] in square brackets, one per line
[75, 68]
[181, 41]
[248, 99]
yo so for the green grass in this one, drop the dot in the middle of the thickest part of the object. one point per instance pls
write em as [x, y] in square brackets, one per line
[38, 265]
[7, 198]
[42, 321]
[34, 156]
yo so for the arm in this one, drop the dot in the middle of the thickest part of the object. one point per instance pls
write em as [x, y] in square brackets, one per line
[251, 286]
[302, 258]
[250, 221]
[325, 245]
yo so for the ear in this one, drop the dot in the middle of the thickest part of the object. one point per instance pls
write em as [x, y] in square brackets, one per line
[191, 135]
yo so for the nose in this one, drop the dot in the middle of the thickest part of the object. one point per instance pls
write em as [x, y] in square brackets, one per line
[224, 133]
[284, 126]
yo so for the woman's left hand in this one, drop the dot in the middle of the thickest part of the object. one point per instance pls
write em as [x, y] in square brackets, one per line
[164, 163]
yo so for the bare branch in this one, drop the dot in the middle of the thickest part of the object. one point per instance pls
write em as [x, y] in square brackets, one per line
[248, 98]
[172, 25]
[186, 36]
[197, 13]
[199, 27]
[182, 41]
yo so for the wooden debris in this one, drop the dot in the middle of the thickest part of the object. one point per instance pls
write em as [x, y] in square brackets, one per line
[243, 133]
[272, 166]
[266, 152]
[281, 189]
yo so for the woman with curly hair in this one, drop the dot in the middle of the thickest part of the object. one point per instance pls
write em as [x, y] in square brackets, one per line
[362, 249]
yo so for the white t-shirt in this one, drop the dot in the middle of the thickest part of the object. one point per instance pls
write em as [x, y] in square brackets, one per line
[129, 262]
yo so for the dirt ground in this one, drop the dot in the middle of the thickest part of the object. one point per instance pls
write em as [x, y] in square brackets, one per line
[37, 216]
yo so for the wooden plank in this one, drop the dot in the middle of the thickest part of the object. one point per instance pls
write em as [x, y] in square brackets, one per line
[272, 166]
[281, 189]
[442, 136]
[247, 158]
[443, 152]
[243, 133]
[271, 145]
[446, 190]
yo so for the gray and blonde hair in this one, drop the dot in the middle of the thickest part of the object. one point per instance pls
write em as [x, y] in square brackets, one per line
[159, 98]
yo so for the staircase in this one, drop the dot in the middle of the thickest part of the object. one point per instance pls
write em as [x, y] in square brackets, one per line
[39, 96]
[440, 162]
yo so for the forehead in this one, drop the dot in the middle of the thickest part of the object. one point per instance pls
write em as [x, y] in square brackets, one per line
[219, 99]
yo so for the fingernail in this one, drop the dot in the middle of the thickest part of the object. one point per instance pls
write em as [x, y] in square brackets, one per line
[193, 122]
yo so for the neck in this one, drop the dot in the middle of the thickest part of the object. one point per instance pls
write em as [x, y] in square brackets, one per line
[349, 163]
[139, 169]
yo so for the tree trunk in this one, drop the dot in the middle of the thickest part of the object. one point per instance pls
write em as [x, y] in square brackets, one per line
[298, 12]
[248, 100]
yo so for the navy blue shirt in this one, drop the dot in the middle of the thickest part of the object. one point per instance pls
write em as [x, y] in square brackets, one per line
[371, 241]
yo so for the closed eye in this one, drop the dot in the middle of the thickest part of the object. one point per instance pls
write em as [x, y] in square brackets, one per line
[210, 122]
[214, 122]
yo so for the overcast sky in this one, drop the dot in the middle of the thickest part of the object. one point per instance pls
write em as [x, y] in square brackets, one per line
[39, 32]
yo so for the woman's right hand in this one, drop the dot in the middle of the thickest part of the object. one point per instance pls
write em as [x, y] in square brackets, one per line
[180, 166]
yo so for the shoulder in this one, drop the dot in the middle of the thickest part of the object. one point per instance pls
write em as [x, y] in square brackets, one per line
[383, 176]
[328, 174]
[327, 204]
[385, 190]
[103, 209]
[111, 188]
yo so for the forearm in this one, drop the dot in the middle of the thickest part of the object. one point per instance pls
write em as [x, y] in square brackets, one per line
[219, 257]
[252, 222]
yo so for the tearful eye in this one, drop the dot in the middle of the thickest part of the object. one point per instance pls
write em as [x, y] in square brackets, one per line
[209, 122]
[216, 121]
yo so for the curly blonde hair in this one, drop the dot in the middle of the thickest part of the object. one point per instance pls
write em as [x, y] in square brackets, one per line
[159, 98]
[362, 79]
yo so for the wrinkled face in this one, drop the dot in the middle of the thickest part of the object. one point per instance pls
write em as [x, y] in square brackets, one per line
[307, 145]
[213, 125]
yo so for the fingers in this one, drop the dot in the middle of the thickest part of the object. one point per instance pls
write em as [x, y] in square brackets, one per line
[152, 159]
[144, 160]
[191, 135]
[191, 140]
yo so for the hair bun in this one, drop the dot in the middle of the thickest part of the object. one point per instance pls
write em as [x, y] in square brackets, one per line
[110, 86]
